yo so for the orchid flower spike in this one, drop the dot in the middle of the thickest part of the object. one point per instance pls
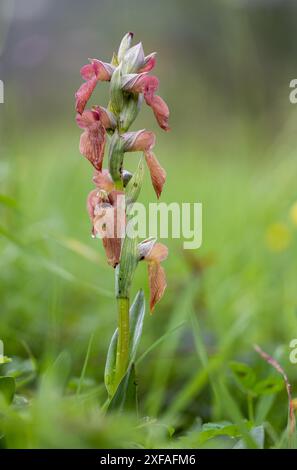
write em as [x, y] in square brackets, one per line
[117, 189]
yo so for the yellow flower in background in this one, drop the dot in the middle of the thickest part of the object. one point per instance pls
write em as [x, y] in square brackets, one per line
[278, 237]
[293, 213]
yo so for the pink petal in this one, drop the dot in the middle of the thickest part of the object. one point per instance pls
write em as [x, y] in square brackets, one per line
[92, 144]
[158, 253]
[93, 72]
[84, 93]
[158, 174]
[104, 227]
[107, 225]
[101, 70]
[149, 64]
[157, 283]
[92, 201]
[87, 118]
[87, 72]
[112, 248]
[103, 180]
[106, 117]
[139, 141]
[143, 83]
[160, 109]
[140, 83]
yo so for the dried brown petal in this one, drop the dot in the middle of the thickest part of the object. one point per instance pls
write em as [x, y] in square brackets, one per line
[109, 224]
[92, 141]
[157, 282]
[158, 253]
[158, 174]
[103, 180]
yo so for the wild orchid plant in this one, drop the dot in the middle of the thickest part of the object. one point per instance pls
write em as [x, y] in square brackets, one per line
[110, 204]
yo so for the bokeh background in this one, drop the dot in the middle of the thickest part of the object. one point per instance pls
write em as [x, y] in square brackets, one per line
[224, 69]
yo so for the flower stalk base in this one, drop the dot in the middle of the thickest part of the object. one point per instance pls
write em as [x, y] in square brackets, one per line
[122, 356]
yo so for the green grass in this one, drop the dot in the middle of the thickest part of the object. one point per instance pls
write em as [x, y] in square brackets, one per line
[58, 312]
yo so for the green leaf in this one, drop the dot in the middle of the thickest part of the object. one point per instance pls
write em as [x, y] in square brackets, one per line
[137, 312]
[263, 407]
[273, 384]
[22, 370]
[258, 436]
[125, 398]
[110, 366]
[57, 375]
[244, 375]
[211, 430]
[83, 372]
[7, 388]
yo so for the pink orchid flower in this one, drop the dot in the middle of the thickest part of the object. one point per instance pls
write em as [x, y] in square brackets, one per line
[93, 73]
[92, 140]
[154, 253]
[144, 141]
[108, 221]
[148, 85]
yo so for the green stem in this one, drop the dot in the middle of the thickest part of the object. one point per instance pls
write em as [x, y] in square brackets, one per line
[123, 340]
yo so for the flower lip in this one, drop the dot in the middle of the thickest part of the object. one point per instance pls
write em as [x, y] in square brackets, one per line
[92, 140]
[84, 93]
[92, 73]
[87, 118]
[101, 70]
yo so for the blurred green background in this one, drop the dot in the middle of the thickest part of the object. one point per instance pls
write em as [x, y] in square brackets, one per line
[224, 69]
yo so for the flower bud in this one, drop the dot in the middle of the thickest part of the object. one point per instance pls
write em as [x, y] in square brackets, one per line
[125, 45]
[145, 247]
[116, 94]
[132, 105]
[134, 59]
